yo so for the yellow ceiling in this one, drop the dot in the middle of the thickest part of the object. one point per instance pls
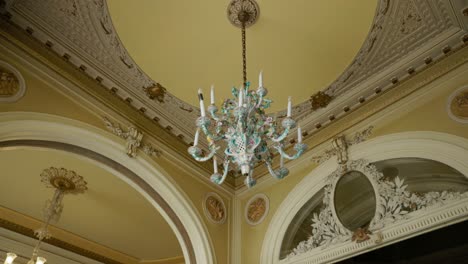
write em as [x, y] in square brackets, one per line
[110, 213]
[301, 45]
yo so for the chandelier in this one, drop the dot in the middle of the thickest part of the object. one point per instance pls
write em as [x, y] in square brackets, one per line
[65, 182]
[242, 122]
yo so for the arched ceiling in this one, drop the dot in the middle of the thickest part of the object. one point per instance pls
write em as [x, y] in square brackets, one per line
[302, 45]
[110, 213]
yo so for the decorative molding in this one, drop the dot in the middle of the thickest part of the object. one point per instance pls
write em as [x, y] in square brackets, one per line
[256, 209]
[156, 91]
[394, 204]
[445, 148]
[357, 138]
[68, 181]
[133, 139]
[320, 100]
[12, 84]
[457, 105]
[214, 208]
[235, 9]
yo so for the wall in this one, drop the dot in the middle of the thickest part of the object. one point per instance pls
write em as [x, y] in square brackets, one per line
[423, 110]
[44, 94]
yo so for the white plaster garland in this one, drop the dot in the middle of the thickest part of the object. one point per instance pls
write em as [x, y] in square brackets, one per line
[358, 137]
[393, 204]
[133, 138]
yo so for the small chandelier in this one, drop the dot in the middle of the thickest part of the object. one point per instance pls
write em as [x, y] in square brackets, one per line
[243, 123]
[65, 182]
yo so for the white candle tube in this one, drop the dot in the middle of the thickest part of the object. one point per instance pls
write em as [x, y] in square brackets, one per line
[202, 104]
[260, 79]
[215, 164]
[212, 95]
[289, 106]
[195, 141]
[241, 95]
[281, 161]
[299, 134]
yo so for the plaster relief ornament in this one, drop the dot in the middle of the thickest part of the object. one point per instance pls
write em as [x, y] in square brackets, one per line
[256, 209]
[394, 204]
[340, 145]
[214, 208]
[133, 139]
[457, 105]
[9, 84]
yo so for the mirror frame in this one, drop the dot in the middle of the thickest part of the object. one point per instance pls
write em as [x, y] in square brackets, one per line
[370, 175]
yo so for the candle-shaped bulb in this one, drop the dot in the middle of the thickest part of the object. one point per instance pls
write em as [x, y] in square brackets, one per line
[40, 260]
[202, 104]
[289, 106]
[299, 134]
[195, 141]
[10, 258]
[260, 79]
[241, 96]
[215, 164]
[212, 95]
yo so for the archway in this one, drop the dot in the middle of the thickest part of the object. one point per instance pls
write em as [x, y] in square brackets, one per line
[20, 129]
[444, 148]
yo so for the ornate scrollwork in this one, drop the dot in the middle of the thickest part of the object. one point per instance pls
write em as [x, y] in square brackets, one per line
[394, 203]
[340, 145]
[133, 138]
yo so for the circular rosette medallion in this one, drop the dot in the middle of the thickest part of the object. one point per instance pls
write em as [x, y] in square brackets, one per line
[214, 208]
[457, 105]
[256, 209]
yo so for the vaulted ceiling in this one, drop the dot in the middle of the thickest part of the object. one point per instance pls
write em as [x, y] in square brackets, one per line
[110, 213]
[302, 46]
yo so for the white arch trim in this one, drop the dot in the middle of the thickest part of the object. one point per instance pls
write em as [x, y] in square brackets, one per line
[38, 126]
[445, 148]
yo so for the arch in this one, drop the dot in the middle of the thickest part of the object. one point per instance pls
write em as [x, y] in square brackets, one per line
[148, 178]
[445, 148]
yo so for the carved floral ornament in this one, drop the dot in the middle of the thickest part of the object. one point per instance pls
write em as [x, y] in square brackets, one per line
[256, 209]
[214, 208]
[12, 84]
[457, 105]
[394, 205]
[133, 138]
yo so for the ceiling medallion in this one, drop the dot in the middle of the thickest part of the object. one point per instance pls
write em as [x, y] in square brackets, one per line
[243, 12]
[250, 135]
[64, 182]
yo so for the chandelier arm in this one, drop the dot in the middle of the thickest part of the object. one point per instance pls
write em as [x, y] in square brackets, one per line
[298, 147]
[282, 136]
[219, 179]
[279, 173]
[213, 110]
[196, 153]
[249, 180]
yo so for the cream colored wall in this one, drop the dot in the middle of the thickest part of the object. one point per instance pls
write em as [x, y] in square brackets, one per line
[428, 115]
[42, 97]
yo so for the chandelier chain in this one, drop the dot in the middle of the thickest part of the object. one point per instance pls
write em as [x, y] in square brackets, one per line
[244, 56]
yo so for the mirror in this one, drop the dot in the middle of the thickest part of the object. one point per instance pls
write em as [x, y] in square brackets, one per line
[354, 200]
